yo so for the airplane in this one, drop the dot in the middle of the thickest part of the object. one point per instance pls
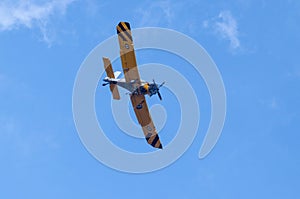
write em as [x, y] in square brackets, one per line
[132, 82]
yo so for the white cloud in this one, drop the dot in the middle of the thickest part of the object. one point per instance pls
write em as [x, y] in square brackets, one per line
[156, 13]
[294, 73]
[271, 103]
[227, 27]
[29, 13]
[205, 24]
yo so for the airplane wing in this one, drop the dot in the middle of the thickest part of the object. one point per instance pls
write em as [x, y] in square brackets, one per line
[132, 75]
[144, 118]
[127, 53]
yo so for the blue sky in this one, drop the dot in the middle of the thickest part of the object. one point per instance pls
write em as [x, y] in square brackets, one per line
[255, 45]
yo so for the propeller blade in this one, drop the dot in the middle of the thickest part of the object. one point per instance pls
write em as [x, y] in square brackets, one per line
[157, 88]
[154, 83]
[105, 84]
[161, 84]
[158, 93]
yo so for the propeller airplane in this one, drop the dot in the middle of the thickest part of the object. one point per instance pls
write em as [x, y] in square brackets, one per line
[137, 88]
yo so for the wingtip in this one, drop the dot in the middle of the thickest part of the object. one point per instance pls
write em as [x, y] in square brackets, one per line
[126, 23]
[155, 145]
[158, 147]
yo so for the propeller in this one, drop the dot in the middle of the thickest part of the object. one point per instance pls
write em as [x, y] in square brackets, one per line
[158, 93]
[157, 89]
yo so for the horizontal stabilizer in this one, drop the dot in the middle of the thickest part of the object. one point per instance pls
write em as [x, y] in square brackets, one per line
[108, 67]
[115, 92]
[109, 72]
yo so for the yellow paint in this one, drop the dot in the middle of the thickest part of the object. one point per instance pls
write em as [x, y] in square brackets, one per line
[146, 86]
[124, 25]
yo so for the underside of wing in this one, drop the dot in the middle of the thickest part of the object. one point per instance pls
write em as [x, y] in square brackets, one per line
[127, 53]
[143, 116]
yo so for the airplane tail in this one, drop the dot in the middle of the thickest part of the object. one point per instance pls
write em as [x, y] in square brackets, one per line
[109, 72]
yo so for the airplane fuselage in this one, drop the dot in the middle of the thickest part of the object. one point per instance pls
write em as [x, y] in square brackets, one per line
[133, 87]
